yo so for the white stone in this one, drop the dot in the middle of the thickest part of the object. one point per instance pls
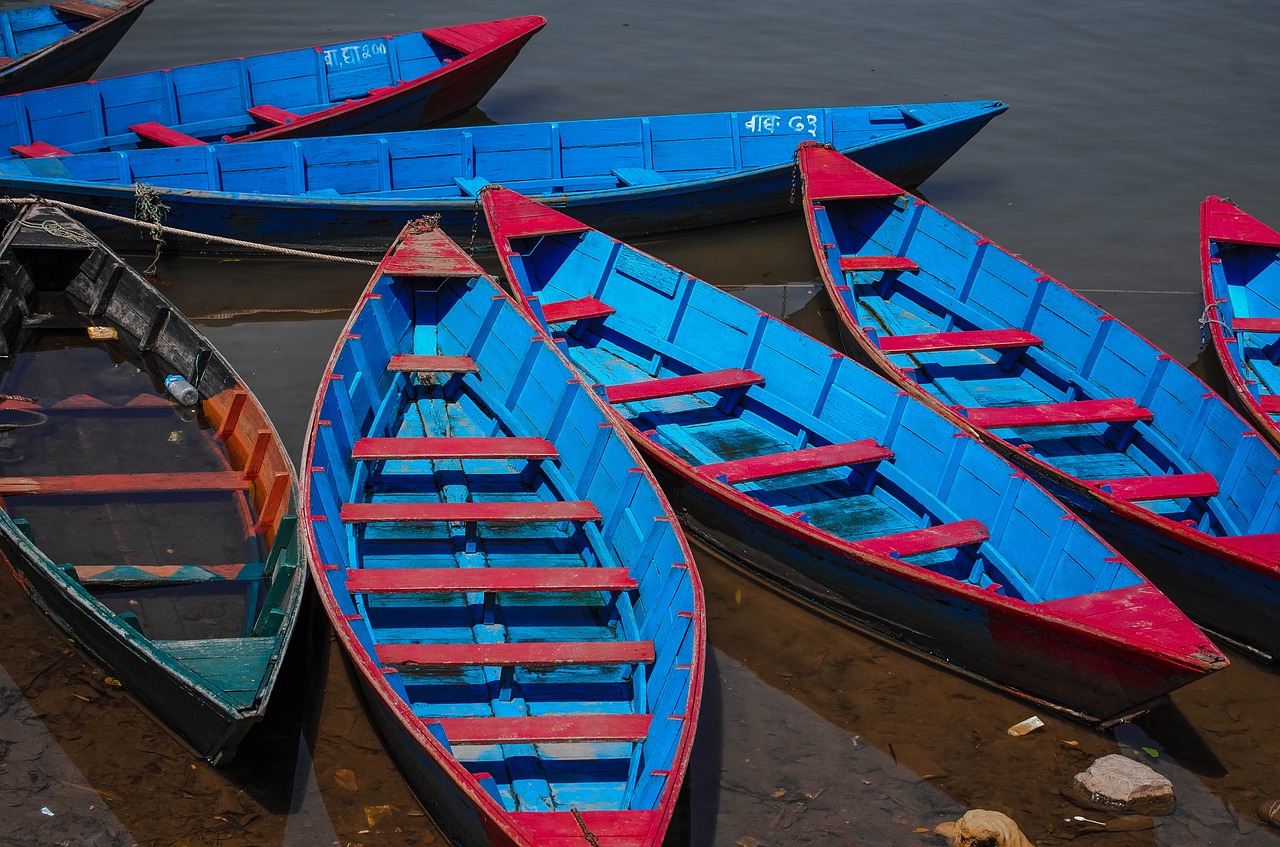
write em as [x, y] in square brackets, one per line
[1117, 780]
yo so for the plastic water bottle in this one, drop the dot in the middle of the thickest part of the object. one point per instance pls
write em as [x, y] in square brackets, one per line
[181, 390]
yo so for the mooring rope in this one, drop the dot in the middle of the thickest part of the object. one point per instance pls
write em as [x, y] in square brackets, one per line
[157, 227]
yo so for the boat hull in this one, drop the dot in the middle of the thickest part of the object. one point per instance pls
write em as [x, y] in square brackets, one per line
[369, 225]
[73, 59]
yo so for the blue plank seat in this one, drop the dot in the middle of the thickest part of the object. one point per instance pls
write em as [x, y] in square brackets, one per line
[797, 461]
[581, 309]
[453, 448]
[933, 342]
[915, 542]
[38, 150]
[273, 115]
[163, 135]
[1109, 410]
[638, 176]
[410, 363]
[672, 386]
[84, 10]
[1162, 487]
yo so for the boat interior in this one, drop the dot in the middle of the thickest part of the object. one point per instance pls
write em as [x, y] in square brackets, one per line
[514, 576]
[1047, 371]
[799, 429]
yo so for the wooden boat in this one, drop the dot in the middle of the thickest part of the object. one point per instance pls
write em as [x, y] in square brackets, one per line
[1240, 271]
[353, 193]
[838, 487]
[158, 533]
[391, 82]
[1121, 432]
[60, 42]
[514, 592]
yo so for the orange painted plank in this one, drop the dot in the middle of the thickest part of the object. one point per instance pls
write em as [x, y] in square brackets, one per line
[139, 483]
[408, 363]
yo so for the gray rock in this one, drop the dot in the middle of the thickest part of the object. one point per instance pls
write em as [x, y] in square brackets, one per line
[1118, 783]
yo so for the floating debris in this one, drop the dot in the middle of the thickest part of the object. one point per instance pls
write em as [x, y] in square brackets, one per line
[1023, 727]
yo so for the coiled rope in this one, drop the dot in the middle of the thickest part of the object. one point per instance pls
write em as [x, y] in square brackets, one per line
[148, 204]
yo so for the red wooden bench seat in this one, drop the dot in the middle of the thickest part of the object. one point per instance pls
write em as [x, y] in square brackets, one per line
[84, 10]
[928, 540]
[797, 461]
[124, 483]
[453, 448]
[38, 150]
[652, 389]
[534, 729]
[409, 363]
[580, 309]
[968, 340]
[1270, 403]
[1256, 325]
[525, 653]
[162, 134]
[877, 263]
[1111, 410]
[515, 511]
[445, 580]
[1263, 544]
[609, 828]
[1164, 487]
[272, 115]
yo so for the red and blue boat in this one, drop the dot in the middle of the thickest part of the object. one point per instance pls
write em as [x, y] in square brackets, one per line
[383, 84]
[842, 489]
[1240, 270]
[511, 586]
[61, 42]
[634, 175]
[1151, 456]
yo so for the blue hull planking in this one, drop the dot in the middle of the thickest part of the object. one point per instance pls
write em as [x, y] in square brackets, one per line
[1128, 437]
[632, 175]
[508, 580]
[844, 490]
[46, 47]
[383, 84]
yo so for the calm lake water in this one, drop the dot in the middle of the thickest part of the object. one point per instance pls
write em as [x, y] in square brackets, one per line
[1123, 117]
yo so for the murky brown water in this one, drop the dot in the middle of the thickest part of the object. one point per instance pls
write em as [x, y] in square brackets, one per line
[1123, 117]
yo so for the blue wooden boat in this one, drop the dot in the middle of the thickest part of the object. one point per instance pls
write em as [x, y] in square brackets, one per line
[382, 84]
[1240, 270]
[158, 533]
[514, 592]
[831, 483]
[62, 42]
[1116, 428]
[635, 175]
